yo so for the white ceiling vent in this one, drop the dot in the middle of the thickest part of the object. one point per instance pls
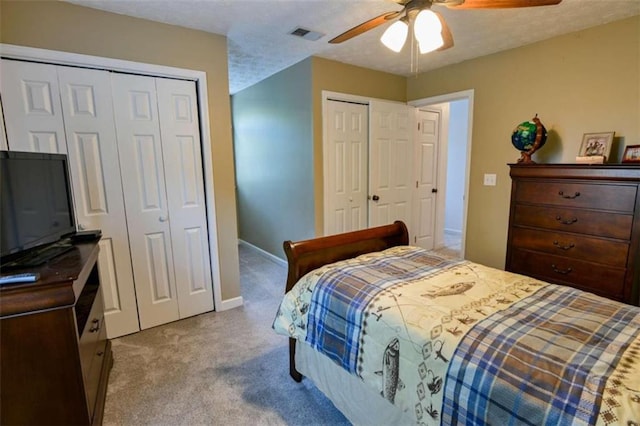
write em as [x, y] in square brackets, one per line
[306, 34]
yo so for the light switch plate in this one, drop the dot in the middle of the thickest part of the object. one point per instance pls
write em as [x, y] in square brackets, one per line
[489, 179]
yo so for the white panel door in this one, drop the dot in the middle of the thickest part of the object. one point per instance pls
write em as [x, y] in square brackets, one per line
[31, 103]
[140, 152]
[346, 168]
[390, 165]
[179, 129]
[426, 150]
[97, 188]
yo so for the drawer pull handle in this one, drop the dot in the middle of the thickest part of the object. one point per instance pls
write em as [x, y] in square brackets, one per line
[575, 195]
[95, 327]
[563, 247]
[566, 221]
[561, 271]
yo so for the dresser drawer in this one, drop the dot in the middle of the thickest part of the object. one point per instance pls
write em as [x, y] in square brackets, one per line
[90, 335]
[584, 195]
[612, 225]
[605, 281]
[92, 379]
[606, 252]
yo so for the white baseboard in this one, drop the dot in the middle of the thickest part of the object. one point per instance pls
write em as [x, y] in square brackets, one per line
[227, 304]
[264, 253]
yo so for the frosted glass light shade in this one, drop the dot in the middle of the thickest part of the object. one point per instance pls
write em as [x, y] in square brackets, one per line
[429, 45]
[395, 36]
[428, 31]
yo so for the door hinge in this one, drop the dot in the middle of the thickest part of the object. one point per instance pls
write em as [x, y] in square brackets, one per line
[418, 126]
[416, 184]
[415, 239]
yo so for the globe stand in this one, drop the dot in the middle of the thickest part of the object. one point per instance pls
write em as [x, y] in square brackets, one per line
[525, 158]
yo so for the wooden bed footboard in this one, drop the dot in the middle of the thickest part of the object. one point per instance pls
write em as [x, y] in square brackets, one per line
[305, 256]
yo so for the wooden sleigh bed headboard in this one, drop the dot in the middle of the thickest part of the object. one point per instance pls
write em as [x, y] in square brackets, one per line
[305, 256]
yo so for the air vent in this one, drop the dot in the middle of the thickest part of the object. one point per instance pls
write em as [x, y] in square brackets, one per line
[306, 34]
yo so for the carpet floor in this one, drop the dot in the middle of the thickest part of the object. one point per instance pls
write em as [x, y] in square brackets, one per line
[219, 368]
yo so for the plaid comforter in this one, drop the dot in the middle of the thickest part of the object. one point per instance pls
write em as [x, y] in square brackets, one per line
[454, 342]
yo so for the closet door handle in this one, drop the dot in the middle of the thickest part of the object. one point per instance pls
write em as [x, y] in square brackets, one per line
[163, 218]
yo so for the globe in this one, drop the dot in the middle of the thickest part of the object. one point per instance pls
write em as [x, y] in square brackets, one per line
[528, 137]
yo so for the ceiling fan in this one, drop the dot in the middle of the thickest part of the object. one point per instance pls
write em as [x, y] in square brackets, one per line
[430, 29]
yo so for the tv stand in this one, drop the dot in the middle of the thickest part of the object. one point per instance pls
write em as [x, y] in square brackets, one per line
[55, 356]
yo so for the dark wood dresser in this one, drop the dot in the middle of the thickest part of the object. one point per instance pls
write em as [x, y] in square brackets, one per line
[55, 356]
[577, 225]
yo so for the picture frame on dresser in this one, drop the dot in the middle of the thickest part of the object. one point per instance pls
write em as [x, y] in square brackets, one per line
[631, 154]
[596, 144]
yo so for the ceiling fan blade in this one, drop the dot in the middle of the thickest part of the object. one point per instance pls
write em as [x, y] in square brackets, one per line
[365, 26]
[503, 4]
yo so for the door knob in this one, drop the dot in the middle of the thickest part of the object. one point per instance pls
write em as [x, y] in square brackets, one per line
[434, 190]
[375, 198]
[163, 218]
[81, 227]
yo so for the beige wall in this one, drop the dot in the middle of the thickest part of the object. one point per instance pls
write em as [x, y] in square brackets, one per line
[65, 27]
[588, 81]
[342, 78]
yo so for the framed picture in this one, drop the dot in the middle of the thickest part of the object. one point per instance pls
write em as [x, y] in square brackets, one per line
[631, 154]
[596, 144]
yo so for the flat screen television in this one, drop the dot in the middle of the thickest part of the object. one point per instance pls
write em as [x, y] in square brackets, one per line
[36, 204]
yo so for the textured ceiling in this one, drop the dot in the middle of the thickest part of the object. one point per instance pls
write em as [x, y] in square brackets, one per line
[259, 44]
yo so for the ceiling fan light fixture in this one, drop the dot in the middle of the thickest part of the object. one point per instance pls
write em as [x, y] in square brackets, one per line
[429, 45]
[428, 31]
[395, 36]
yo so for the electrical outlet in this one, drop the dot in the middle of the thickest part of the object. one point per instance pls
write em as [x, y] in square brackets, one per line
[489, 179]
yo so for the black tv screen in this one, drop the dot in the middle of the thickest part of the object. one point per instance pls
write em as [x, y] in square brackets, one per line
[36, 201]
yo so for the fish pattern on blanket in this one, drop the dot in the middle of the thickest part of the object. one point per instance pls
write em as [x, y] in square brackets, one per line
[427, 315]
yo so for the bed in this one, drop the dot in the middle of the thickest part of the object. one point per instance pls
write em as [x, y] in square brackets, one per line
[394, 334]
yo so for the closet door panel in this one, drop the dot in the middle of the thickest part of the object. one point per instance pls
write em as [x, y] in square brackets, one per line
[143, 181]
[391, 157]
[180, 132]
[31, 103]
[97, 187]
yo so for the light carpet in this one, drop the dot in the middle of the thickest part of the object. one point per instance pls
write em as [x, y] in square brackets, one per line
[219, 368]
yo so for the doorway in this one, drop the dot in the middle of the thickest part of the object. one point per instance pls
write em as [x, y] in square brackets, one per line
[452, 165]
[453, 168]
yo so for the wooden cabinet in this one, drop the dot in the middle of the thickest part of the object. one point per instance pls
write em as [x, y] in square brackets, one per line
[55, 356]
[577, 225]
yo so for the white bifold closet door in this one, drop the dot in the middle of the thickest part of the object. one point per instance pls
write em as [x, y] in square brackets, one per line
[97, 187]
[347, 170]
[136, 169]
[162, 182]
[54, 109]
[181, 149]
[390, 162]
[31, 104]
